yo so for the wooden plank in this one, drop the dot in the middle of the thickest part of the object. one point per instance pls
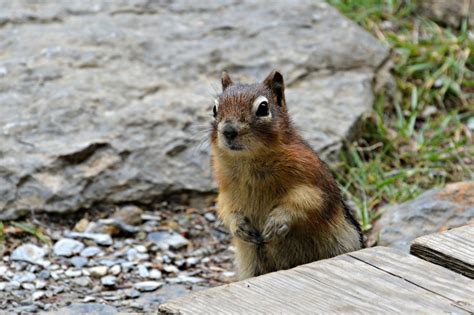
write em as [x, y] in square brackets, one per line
[436, 279]
[371, 281]
[453, 249]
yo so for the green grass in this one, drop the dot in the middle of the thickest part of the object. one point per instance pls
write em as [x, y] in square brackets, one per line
[33, 231]
[422, 136]
[2, 233]
[21, 228]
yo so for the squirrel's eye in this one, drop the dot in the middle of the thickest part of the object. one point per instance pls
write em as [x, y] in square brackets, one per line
[262, 110]
[214, 111]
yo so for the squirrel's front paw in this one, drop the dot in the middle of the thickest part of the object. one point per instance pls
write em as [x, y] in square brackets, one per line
[277, 226]
[246, 232]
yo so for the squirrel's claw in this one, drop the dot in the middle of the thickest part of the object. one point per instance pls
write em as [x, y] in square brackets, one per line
[248, 233]
[275, 228]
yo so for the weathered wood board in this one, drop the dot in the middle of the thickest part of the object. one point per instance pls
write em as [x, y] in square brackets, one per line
[372, 281]
[453, 249]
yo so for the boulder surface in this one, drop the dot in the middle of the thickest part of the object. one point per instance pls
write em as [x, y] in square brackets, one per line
[434, 211]
[451, 13]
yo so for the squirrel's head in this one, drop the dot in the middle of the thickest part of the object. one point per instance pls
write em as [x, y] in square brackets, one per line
[249, 118]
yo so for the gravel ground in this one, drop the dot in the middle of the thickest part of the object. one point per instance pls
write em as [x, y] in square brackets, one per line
[128, 258]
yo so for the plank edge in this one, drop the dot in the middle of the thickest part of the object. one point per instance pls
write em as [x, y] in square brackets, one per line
[431, 255]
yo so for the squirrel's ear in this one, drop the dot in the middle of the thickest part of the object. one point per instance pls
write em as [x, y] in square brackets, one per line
[275, 82]
[226, 81]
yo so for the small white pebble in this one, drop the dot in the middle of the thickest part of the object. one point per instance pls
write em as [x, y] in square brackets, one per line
[28, 286]
[98, 271]
[147, 286]
[155, 274]
[141, 249]
[192, 261]
[73, 273]
[38, 295]
[170, 269]
[88, 299]
[143, 271]
[40, 284]
[115, 270]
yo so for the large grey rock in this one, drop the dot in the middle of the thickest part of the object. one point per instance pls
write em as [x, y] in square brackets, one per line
[108, 101]
[434, 211]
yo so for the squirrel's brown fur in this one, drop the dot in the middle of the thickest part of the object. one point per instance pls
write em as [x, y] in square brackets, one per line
[279, 200]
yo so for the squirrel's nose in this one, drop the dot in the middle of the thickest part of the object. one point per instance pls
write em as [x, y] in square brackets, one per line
[230, 132]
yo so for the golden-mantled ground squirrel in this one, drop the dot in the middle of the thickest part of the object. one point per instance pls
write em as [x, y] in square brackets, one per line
[278, 199]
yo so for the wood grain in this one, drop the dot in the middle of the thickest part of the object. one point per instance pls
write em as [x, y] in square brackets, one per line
[371, 281]
[453, 249]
